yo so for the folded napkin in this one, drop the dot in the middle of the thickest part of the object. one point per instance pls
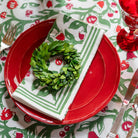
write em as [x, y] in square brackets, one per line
[86, 40]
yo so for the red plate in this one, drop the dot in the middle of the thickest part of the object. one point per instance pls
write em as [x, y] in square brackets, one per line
[97, 89]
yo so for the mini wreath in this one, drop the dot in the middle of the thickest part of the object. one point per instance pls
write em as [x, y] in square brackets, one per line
[68, 73]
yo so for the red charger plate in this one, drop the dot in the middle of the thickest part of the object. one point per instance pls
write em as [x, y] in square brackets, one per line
[97, 89]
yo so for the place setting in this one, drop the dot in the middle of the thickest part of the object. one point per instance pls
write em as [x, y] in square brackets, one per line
[82, 101]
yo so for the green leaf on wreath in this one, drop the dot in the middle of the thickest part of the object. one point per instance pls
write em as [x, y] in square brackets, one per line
[36, 84]
[32, 4]
[24, 6]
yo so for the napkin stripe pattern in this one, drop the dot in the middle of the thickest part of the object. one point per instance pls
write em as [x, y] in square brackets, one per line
[59, 108]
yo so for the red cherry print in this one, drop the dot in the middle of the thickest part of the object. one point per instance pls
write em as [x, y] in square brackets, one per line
[124, 65]
[110, 14]
[3, 15]
[92, 134]
[19, 135]
[118, 28]
[12, 4]
[81, 36]
[58, 61]
[62, 133]
[49, 4]
[69, 6]
[91, 19]
[101, 4]
[126, 125]
[60, 37]
[131, 55]
[116, 11]
[66, 128]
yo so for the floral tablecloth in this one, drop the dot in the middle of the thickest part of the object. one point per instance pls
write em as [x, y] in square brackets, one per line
[105, 14]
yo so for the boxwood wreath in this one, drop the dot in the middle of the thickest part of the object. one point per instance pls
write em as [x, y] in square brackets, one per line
[69, 72]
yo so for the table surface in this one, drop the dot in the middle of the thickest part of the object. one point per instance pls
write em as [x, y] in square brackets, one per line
[105, 14]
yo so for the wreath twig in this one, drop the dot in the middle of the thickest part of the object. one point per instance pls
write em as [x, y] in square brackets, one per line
[69, 72]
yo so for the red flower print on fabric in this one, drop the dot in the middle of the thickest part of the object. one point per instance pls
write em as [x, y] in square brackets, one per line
[19, 135]
[92, 134]
[131, 55]
[27, 118]
[91, 19]
[3, 58]
[110, 15]
[69, 6]
[28, 13]
[6, 114]
[126, 125]
[3, 15]
[101, 4]
[118, 28]
[60, 37]
[12, 4]
[124, 65]
[113, 4]
[49, 4]
[81, 36]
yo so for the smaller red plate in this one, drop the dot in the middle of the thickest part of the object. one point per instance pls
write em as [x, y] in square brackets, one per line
[98, 86]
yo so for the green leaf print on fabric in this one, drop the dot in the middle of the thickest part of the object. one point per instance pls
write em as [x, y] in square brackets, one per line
[43, 92]
[130, 69]
[66, 19]
[0, 68]
[35, 84]
[100, 124]
[69, 35]
[122, 88]
[61, 3]
[77, 25]
[116, 98]
[104, 22]
[15, 118]
[32, 4]
[24, 5]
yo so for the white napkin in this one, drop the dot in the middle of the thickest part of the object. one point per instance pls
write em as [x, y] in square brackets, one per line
[86, 40]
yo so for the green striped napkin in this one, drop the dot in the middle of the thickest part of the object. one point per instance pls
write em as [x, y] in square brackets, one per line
[86, 39]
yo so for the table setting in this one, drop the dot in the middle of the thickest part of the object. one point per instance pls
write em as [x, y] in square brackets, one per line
[68, 68]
